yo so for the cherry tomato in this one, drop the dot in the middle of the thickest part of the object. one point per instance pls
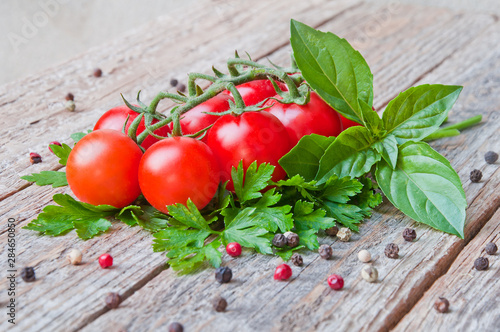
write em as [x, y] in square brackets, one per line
[256, 91]
[178, 168]
[252, 136]
[102, 168]
[315, 117]
[115, 118]
[195, 119]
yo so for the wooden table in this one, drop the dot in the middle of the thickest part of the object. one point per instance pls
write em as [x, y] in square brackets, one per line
[404, 45]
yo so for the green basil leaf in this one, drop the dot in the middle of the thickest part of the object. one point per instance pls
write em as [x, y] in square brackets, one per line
[425, 187]
[419, 111]
[388, 147]
[371, 118]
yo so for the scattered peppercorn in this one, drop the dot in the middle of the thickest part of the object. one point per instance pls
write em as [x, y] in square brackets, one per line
[332, 231]
[97, 72]
[74, 256]
[442, 305]
[223, 274]
[70, 96]
[292, 239]
[220, 304]
[481, 263]
[335, 282]
[344, 234]
[181, 88]
[233, 249]
[369, 273]
[174, 82]
[279, 240]
[112, 300]
[491, 157]
[297, 259]
[409, 234]
[70, 106]
[105, 260]
[325, 251]
[54, 143]
[28, 274]
[476, 175]
[176, 327]
[283, 272]
[491, 248]
[392, 250]
[35, 158]
[364, 256]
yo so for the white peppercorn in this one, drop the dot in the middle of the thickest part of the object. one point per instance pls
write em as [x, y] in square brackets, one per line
[344, 234]
[369, 273]
[74, 256]
[364, 256]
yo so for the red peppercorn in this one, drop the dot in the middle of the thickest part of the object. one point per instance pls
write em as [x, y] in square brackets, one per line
[35, 158]
[105, 260]
[335, 282]
[54, 143]
[233, 249]
[283, 272]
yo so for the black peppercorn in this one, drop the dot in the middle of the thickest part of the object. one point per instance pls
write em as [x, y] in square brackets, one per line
[409, 234]
[223, 274]
[112, 300]
[70, 96]
[97, 72]
[325, 251]
[220, 304]
[279, 240]
[442, 305]
[476, 175]
[176, 327]
[292, 239]
[481, 263]
[174, 82]
[28, 274]
[491, 248]
[181, 87]
[297, 259]
[491, 157]
[332, 231]
[392, 250]
[35, 158]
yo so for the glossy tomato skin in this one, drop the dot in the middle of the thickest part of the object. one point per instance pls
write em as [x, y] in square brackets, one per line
[102, 168]
[115, 118]
[178, 168]
[254, 92]
[315, 117]
[252, 136]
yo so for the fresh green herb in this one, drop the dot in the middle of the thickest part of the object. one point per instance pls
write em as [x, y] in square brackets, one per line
[62, 152]
[44, 178]
[78, 136]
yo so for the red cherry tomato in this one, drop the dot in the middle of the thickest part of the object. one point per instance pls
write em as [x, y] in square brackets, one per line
[178, 168]
[256, 91]
[252, 136]
[115, 118]
[102, 168]
[316, 117]
[282, 272]
[195, 119]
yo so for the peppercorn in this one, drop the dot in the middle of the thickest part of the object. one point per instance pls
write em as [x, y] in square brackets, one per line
[112, 300]
[220, 304]
[176, 327]
[35, 158]
[279, 240]
[105, 260]
[54, 143]
[70, 96]
[442, 305]
[476, 175]
[344, 234]
[409, 234]
[233, 249]
[332, 231]
[70, 106]
[364, 256]
[28, 274]
[481, 263]
[369, 273]
[392, 250]
[223, 274]
[283, 272]
[174, 82]
[491, 157]
[292, 239]
[325, 251]
[297, 259]
[97, 72]
[74, 256]
[491, 248]
[181, 88]
[335, 282]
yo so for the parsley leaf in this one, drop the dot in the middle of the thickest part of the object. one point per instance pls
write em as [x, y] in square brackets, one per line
[78, 136]
[54, 178]
[248, 186]
[276, 217]
[190, 216]
[286, 253]
[145, 216]
[62, 152]
[306, 217]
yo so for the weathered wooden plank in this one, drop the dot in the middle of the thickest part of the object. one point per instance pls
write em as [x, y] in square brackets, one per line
[473, 295]
[256, 302]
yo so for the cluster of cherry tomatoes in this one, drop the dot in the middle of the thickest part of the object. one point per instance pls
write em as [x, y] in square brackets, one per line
[108, 167]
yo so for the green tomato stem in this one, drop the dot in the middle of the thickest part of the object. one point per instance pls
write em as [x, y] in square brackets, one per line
[464, 124]
[442, 133]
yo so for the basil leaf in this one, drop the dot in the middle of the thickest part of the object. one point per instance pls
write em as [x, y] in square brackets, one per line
[388, 148]
[419, 111]
[336, 71]
[351, 154]
[425, 187]
[304, 158]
